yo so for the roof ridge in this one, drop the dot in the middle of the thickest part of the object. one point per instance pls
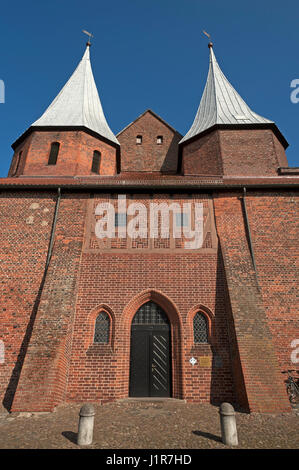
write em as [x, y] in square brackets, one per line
[148, 110]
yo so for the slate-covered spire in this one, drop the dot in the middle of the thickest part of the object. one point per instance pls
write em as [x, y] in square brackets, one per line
[221, 104]
[78, 104]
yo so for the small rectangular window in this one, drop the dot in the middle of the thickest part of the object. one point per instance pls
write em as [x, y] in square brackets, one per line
[139, 139]
[160, 139]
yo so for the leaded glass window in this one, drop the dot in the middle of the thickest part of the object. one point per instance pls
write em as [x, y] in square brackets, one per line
[102, 328]
[200, 328]
[150, 314]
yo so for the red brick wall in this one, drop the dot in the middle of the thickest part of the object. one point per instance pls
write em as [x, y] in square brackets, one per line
[19, 158]
[26, 221]
[202, 156]
[250, 152]
[273, 219]
[120, 283]
[102, 372]
[74, 158]
[250, 331]
[258, 366]
[43, 378]
[231, 152]
[149, 156]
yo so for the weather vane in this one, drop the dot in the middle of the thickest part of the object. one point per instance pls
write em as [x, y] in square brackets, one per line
[209, 36]
[89, 35]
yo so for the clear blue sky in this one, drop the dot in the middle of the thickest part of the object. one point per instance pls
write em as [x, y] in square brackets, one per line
[148, 54]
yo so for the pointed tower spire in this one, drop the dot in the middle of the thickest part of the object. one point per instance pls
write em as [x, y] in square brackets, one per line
[221, 104]
[78, 104]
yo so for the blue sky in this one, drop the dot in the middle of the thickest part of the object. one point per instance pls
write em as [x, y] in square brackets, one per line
[148, 54]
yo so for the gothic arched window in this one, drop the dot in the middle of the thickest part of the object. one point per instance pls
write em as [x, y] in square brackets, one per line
[53, 153]
[102, 328]
[200, 328]
[95, 168]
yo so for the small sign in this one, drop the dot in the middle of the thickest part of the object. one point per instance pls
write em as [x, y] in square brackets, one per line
[193, 361]
[205, 361]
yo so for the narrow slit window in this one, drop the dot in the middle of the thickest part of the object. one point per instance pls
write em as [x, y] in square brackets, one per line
[159, 139]
[102, 329]
[96, 161]
[200, 328]
[53, 153]
[17, 164]
[139, 139]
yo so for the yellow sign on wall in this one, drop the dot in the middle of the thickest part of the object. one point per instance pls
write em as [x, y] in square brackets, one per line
[205, 361]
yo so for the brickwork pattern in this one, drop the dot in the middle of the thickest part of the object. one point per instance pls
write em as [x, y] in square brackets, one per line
[273, 218]
[26, 221]
[265, 391]
[149, 155]
[44, 373]
[121, 283]
[74, 158]
[234, 153]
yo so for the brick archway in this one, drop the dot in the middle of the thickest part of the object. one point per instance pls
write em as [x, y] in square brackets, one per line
[176, 337]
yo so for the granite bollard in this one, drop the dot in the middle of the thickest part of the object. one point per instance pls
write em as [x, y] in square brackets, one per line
[228, 424]
[85, 428]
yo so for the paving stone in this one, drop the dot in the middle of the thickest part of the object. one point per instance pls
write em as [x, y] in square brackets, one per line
[137, 425]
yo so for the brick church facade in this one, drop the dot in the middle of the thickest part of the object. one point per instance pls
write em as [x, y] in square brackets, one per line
[89, 319]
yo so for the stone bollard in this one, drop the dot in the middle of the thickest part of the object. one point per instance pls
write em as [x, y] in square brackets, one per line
[85, 429]
[228, 424]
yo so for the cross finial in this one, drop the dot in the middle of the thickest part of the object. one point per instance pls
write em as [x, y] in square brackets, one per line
[89, 35]
[209, 36]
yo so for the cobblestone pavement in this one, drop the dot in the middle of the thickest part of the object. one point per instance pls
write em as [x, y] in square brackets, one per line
[147, 425]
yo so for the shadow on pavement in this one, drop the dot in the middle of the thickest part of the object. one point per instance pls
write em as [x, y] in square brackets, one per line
[207, 435]
[71, 436]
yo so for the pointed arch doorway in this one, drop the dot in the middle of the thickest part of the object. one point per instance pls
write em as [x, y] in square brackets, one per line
[150, 357]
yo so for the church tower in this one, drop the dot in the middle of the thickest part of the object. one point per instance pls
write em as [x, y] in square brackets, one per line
[227, 138]
[72, 137]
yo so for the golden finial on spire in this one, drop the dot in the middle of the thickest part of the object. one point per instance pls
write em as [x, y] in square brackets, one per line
[89, 35]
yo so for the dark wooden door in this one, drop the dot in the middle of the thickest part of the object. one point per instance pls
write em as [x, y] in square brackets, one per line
[150, 365]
